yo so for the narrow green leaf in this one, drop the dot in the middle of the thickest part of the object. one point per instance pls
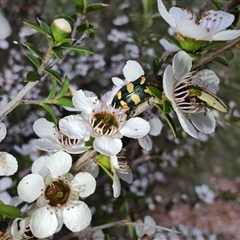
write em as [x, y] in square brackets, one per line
[155, 65]
[32, 77]
[36, 61]
[147, 5]
[53, 91]
[58, 53]
[155, 92]
[222, 61]
[36, 27]
[54, 74]
[80, 6]
[83, 26]
[167, 107]
[9, 211]
[50, 111]
[168, 119]
[77, 49]
[229, 55]
[32, 48]
[45, 26]
[95, 7]
[64, 40]
[64, 88]
[212, 45]
[63, 102]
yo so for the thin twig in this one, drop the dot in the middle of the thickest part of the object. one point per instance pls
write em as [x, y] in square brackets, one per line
[210, 55]
[117, 223]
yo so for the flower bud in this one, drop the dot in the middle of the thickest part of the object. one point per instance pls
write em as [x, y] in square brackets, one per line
[60, 29]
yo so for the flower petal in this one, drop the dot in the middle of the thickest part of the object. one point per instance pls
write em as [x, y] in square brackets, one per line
[78, 217]
[44, 129]
[165, 14]
[76, 149]
[132, 70]
[3, 131]
[182, 64]
[170, 47]
[145, 142]
[204, 121]
[135, 128]
[206, 79]
[43, 222]
[118, 82]
[155, 125]
[216, 21]
[181, 14]
[30, 187]
[226, 35]
[168, 83]
[192, 30]
[186, 124]
[107, 145]
[84, 183]
[46, 145]
[5, 30]
[75, 127]
[59, 164]
[83, 103]
[116, 185]
[8, 164]
[39, 166]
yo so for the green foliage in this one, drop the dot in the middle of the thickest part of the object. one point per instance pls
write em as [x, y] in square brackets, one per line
[9, 211]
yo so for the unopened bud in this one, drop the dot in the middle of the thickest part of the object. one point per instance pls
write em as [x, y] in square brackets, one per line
[60, 29]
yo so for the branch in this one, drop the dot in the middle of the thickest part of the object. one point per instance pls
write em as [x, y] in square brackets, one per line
[210, 55]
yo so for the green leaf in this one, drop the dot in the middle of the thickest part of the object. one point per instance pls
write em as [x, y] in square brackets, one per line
[222, 61]
[168, 119]
[32, 77]
[64, 88]
[84, 26]
[45, 26]
[167, 106]
[212, 45]
[229, 55]
[77, 49]
[54, 74]
[147, 5]
[57, 53]
[32, 48]
[155, 92]
[50, 111]
[64, 40]
[155, 65]
[53, 91]
[95, 7]
[36, 27]
[9, 211]
[63, 102]
[80, 6]
[36, 61]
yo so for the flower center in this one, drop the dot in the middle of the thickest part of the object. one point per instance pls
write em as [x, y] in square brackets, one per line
[185, 100]
[104, 123]
[64, 140]
[57, 193]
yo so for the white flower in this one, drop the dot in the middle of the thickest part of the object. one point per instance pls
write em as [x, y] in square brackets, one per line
[57, 195]
[148, 230]
[5, 30]
[210, 28]
[205, 194]
[170, 47]
[8, 163]
[53, 139]
[108, 124]
[97, 235]
[191, 113]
